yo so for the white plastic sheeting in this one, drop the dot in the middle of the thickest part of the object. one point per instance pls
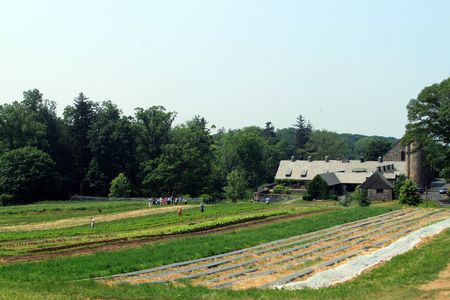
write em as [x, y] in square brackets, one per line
[356, 266]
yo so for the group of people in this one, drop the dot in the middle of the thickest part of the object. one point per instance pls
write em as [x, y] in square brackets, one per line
[166, 201]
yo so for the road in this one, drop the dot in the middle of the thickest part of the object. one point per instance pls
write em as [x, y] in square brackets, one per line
[433, 191]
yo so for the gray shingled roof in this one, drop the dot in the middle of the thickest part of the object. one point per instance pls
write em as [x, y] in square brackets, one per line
[330, 178]
[346, 172]
[377, 181]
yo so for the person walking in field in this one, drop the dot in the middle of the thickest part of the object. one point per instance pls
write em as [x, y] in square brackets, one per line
[180, 213]
[202, 207]
[92, 222]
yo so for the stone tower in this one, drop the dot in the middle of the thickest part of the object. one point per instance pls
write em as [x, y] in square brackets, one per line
[414, 155]
[416, 167]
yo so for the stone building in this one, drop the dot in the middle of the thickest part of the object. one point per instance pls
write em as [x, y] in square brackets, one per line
[340, 175]
[345, 175]
[378, 187]
[416, 167]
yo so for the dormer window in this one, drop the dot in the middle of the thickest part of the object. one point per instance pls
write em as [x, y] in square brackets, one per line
[288, 173]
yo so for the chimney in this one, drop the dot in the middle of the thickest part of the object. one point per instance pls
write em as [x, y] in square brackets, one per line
[292, 158]
[309, 158]
[326, 158]
[361, 159]
[380, 159]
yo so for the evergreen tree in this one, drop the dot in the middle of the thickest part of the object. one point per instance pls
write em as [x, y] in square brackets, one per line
[303, 130]
[79, 119]
[361, 196]
[318, 188]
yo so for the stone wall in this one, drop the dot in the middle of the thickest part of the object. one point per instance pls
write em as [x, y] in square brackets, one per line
[373, 195]
[395, 154]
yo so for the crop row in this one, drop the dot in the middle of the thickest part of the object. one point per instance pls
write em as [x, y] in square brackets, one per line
[59, 243]
[281, 261]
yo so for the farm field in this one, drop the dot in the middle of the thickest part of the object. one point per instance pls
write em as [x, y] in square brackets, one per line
[75, 233]
[307, 237]
[57, 210]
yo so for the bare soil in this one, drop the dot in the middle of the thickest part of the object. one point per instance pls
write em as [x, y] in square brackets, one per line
[441, 285]
[70, 222]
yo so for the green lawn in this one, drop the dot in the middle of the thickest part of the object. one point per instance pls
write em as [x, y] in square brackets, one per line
[60, 278]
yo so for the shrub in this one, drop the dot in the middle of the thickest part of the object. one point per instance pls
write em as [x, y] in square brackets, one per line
[361, 196]
[120, 187]
[333, 197]
[307, 197]
[280, 189]
[345, 200]
[318, 188]
[398, 184]
[408, 194]
[6, 199]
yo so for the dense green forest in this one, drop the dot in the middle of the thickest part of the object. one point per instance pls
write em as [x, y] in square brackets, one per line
[45, 156]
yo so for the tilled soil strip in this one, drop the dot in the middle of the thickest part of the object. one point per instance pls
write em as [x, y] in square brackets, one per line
[326, 231]
[276, 243]
[225, 268]
[314, 251]
[71, 222]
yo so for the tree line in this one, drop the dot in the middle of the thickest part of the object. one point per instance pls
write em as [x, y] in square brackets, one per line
[46, 156]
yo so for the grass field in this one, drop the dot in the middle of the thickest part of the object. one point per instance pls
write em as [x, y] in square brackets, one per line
[72, 277]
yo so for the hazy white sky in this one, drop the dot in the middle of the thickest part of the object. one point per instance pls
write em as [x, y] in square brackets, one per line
[348, 66]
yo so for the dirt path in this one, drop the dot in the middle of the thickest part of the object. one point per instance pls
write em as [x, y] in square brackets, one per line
[441, 285]
[70, 222]
[128, 244]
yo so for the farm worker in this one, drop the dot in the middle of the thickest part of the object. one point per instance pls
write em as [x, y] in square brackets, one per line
[202, 207]
[185, 201]
[180, 212]
[92, 222]
[149, 202]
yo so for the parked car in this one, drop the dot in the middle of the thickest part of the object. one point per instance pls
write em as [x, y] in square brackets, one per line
[443, 190]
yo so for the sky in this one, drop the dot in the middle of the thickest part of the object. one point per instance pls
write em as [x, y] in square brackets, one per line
[347, 66]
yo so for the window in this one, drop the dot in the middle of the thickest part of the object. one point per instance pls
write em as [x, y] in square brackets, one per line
[402, 156]
[304, 173]
[288, 173]
[379, 191]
